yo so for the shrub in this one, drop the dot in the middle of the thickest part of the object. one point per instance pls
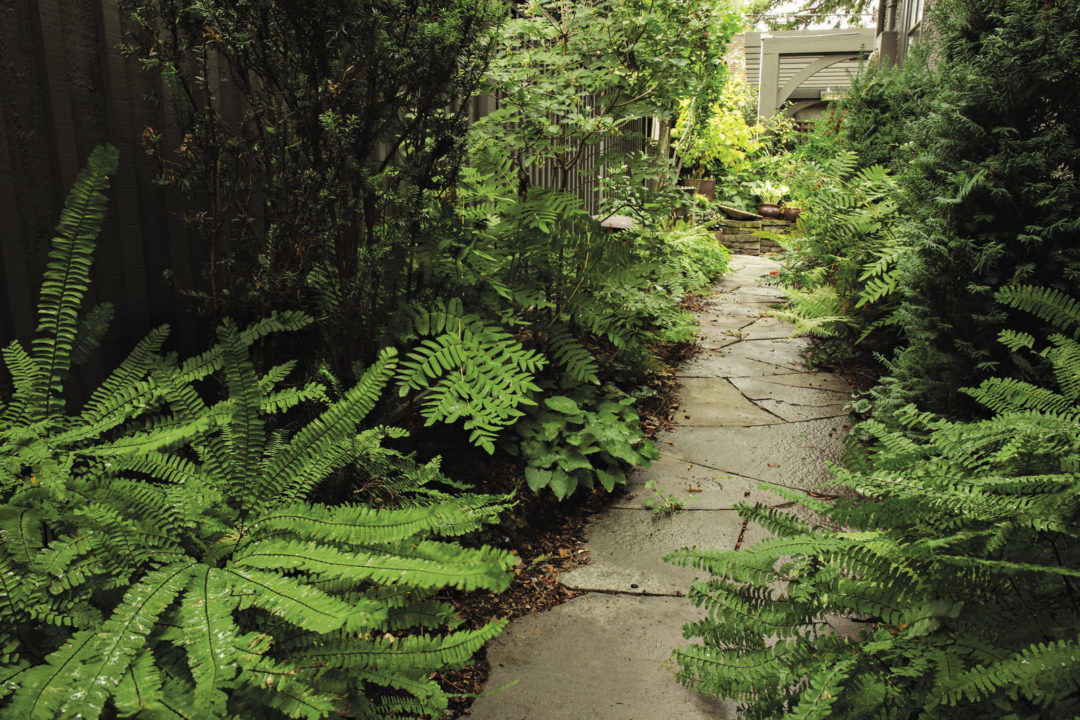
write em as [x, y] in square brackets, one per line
[992, 188]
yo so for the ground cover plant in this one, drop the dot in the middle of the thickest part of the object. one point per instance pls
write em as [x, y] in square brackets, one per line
[159, 554]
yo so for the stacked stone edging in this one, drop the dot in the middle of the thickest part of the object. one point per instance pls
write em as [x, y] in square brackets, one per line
[739, 236]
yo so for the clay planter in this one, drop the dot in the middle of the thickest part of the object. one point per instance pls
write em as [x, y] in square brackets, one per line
[791, 214]
[770, 211]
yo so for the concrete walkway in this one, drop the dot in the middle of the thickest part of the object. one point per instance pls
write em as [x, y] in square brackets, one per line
[749, 412]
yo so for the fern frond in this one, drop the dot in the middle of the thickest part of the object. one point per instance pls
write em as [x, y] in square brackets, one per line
[210, 635]
[290, 464]
[1053, 306]
[67, 278]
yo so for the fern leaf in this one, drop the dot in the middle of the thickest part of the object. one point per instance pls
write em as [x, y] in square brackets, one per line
[67, 277]
[427, 564]
[301, 604]
[92, 329]
[210, 635]
[418, 652]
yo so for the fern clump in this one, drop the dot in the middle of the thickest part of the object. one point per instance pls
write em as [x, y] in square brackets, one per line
[160, 556]
[469, 370]
[956, 576]
[844, 257]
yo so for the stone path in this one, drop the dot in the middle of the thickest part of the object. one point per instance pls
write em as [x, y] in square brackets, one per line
[749, 412]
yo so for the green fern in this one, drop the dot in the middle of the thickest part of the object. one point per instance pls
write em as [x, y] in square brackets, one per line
[159, 556]
[469, 370]
[958, 567]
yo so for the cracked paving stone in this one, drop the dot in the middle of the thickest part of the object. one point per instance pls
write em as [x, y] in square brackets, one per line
[698, 487]
[715, 402]
[598, 656]
[792, 455]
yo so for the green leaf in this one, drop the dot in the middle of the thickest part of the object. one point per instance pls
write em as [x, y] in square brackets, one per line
[562, 404]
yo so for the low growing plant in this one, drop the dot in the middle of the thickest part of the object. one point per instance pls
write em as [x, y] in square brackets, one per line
[664, 502]
[159, 556]
[959, 567]
[579, 440]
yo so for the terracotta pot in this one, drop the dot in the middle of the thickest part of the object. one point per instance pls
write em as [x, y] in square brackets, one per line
[769, 211]
[791, 214]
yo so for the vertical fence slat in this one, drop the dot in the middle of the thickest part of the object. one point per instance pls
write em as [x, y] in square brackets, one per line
[17, 318]
[59, 100]
[129, 239]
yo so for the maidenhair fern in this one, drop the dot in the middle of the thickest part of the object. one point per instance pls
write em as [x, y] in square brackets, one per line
[160, 555]
[955, 585]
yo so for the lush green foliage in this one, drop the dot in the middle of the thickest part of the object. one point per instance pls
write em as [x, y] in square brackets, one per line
[992, 188]
[719, 138]
[595, 308]
[954, 579]
[158, 553]
[350, 142]
[843, 256]
[572, 75]
[582, 440]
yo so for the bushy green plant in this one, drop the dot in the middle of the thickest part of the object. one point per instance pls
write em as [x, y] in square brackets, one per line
[159, 556]
[470, 370]
[581, 440]
[314, 140]
[956, 572]
[876, 116]
[717, 140]
[992, 182]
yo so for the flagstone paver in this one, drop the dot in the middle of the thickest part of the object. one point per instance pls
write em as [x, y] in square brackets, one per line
[749, 413]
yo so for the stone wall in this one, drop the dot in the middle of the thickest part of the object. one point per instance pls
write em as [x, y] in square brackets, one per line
[739, 236]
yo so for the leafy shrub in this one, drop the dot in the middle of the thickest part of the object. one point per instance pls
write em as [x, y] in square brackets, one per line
[959, 569]
[158, 555]
[315, 140]
[876, 115]
[992, 184]
[581, 440]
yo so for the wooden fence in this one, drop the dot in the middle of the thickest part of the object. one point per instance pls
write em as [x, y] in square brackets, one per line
[65, 88]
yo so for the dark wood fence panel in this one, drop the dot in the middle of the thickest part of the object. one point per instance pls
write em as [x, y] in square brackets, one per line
[65, 88]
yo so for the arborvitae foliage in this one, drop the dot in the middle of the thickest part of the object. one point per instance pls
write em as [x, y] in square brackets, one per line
[957, 574]
[993, 185]
[159, 556]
